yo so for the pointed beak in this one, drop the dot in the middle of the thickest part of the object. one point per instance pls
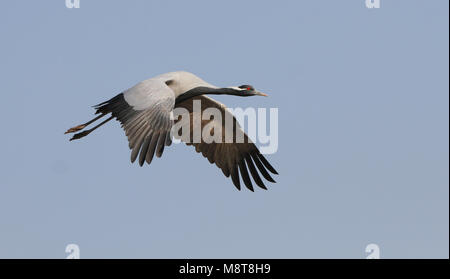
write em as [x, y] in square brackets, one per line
[260, 94]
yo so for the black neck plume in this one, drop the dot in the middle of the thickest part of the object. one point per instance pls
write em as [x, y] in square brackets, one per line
[197, 91]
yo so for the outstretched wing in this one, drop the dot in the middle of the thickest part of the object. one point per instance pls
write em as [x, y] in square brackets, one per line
[232, 158]
[144, 112]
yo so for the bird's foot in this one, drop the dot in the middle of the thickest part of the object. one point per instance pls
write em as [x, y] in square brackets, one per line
[74, 129]
[80, 135]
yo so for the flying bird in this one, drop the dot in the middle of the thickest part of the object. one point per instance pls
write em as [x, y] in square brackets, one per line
[144, 112]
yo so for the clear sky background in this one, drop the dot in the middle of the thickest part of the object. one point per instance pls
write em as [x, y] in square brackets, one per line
[363, 149]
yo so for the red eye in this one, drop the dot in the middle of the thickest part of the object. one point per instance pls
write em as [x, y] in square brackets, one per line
[249, 88]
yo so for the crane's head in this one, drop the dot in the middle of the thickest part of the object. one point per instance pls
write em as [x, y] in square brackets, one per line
[248, 90]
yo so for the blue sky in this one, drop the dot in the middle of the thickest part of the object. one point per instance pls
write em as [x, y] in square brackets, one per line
[363, 154]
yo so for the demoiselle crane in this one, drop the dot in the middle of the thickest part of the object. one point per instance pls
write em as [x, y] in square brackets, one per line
[144, 112]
